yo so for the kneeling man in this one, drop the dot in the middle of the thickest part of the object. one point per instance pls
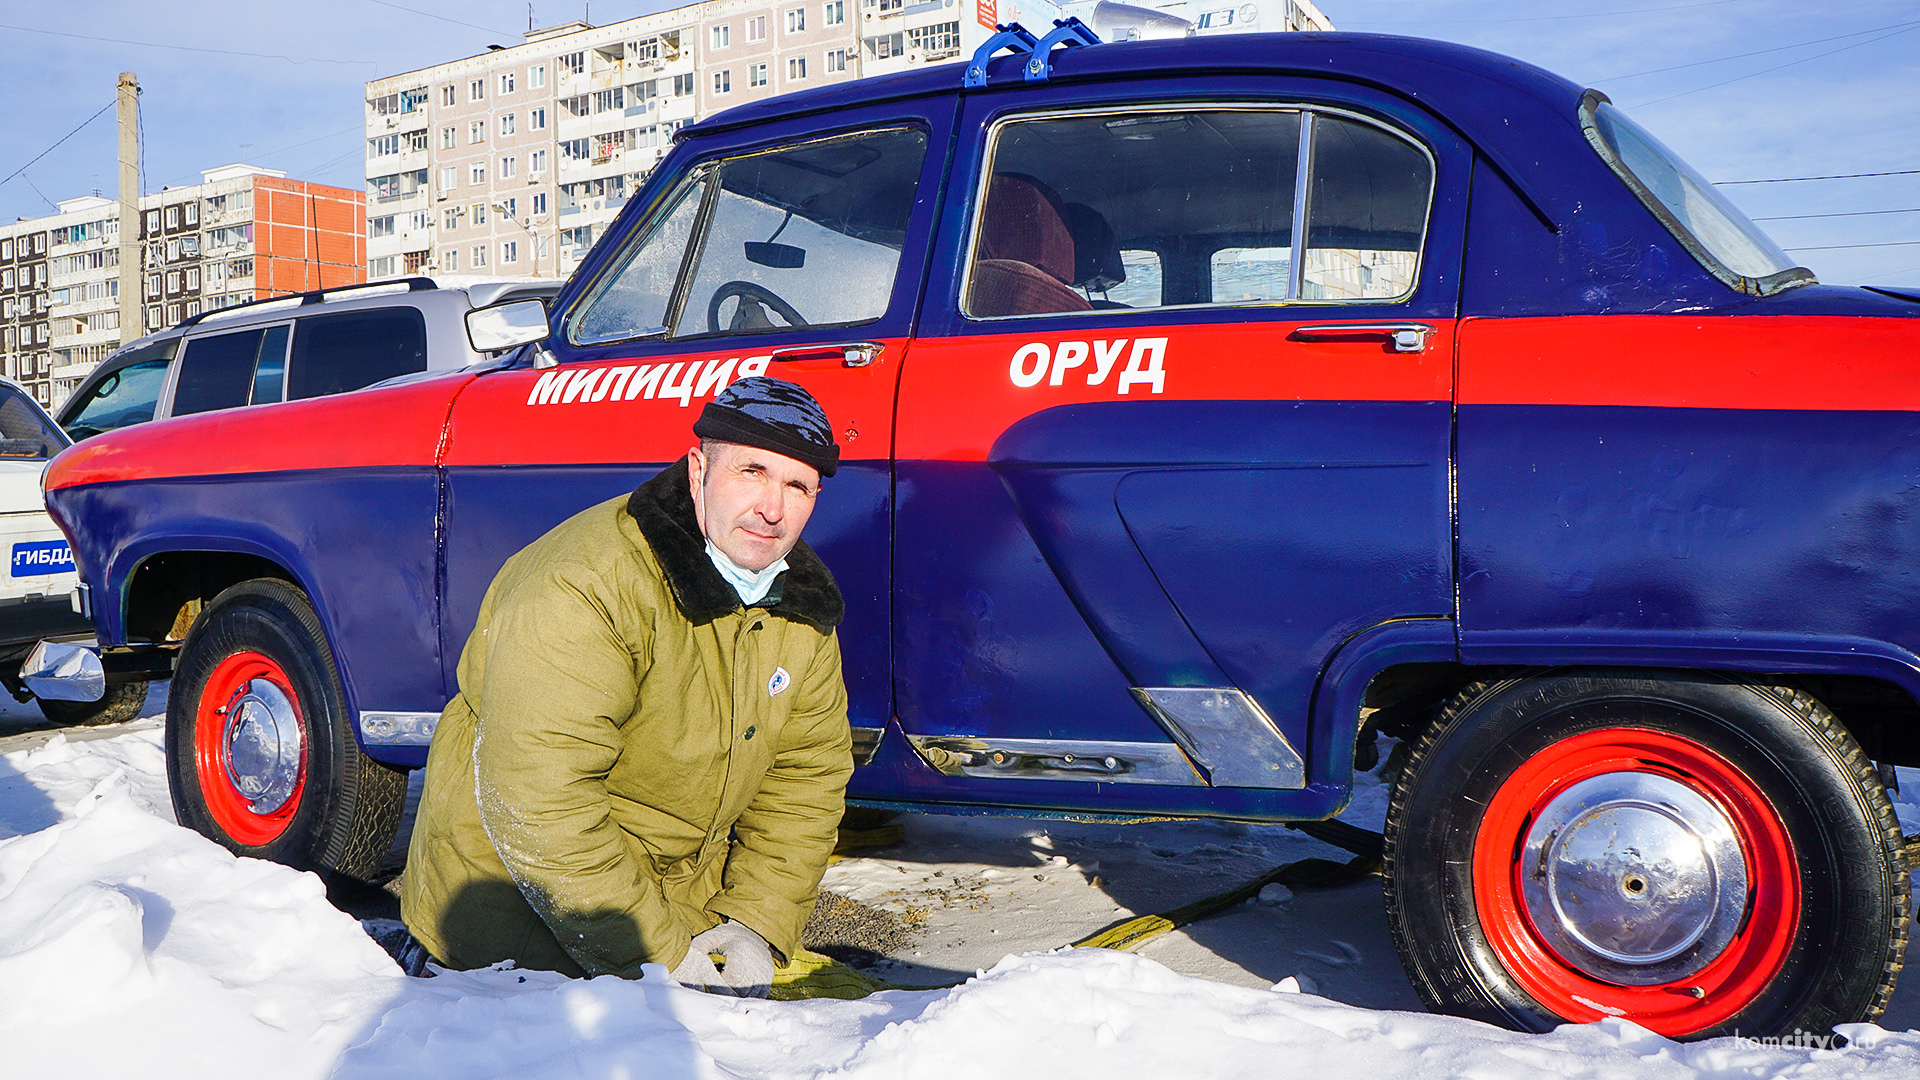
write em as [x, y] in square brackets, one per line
[647, 760]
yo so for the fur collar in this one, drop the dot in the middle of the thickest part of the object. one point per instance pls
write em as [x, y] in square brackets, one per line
[663, 508]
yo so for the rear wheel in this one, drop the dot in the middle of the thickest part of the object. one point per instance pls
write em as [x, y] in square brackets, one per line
[260, 750]
[120, 703]
[1696, 855]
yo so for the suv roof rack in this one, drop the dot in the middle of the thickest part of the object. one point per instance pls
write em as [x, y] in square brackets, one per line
[317, 296]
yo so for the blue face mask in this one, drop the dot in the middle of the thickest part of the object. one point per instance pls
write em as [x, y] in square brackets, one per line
[751, 586]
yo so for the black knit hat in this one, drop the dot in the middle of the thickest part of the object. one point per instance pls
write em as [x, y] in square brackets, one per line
[775, 415]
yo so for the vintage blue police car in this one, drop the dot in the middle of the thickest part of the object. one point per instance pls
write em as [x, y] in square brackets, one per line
[1208, 407]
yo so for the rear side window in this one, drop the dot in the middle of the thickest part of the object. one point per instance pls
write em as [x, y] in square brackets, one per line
[1180, 208]
[218, 371]
[336, 353]
[25, 431]
[127, 396]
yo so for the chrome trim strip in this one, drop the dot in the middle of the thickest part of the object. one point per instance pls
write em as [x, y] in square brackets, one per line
[1227, 733]
[397, 728]
[866, 743]
[1053, 759]
[1302, 189]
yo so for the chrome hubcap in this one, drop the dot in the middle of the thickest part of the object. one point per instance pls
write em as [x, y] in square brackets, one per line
[1634, 878]
[264, 746]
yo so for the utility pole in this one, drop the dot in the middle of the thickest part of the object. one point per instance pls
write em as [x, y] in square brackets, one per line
[132, 274]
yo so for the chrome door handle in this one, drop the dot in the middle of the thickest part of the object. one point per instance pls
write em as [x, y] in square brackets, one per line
[1405, 337]
[849, 353]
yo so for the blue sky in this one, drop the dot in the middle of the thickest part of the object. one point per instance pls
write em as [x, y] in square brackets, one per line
[1744, 89]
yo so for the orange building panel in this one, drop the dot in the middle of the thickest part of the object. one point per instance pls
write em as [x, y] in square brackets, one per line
[307, 236]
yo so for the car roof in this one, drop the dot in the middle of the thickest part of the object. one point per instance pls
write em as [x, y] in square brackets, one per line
[1498, 103]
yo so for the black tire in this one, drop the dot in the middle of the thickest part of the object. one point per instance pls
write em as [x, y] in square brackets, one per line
[344, 808]
[1499, 791]
[119, 704]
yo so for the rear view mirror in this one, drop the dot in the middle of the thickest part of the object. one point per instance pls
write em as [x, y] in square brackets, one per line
[507, 326]
[778, 256]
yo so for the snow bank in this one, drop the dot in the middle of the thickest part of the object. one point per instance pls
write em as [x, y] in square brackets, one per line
[130, 946]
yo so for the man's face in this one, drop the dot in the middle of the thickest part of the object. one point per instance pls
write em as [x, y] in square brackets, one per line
[751, 503]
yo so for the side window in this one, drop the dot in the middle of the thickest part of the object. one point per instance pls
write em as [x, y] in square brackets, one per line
[336, 353]
[216, 372]
[25, 431]
[807, 235]
[128, 396]
[1194, 207]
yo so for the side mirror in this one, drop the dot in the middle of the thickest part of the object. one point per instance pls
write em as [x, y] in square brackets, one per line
[507, 326]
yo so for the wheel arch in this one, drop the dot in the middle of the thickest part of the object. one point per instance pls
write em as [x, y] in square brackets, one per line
[1377, 683]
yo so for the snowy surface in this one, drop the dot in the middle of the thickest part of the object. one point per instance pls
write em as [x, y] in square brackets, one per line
[130, 946]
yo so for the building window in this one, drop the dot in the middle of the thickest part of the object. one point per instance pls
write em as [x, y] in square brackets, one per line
[506, 124]
[575, 149]
[683, 85]
[940, 39]
[477, 213]
[449, 138]
[153, 286]
[537, 161]
[796, 20]
[477, 90]
[836, 12]
[718, 36]
[193, 212]
[153, 226]
[173, 281]
[539, 203]
[509, 208]
[173, 217]
[604, 100]
[796, 68]
[477, 131]
[193, 308]
[449, 177]
[173, 316]
[479, 256]
[450, 260]
[536, 76]
[383, 145]
[477, 173]
[506, 167]
[451, 219]
[573, 63]
[723, 82]
[757, 28]
[836, 60]
[378, 227]
[537, 119]
[510, 251]
[193, 279]
[756, 74]
[506, 82]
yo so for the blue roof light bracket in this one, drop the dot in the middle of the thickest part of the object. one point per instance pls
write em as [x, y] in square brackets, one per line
[1009, 35]
[1070, 33]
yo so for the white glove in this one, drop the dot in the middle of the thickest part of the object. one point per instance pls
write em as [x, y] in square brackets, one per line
[697, 969]
[746, 963]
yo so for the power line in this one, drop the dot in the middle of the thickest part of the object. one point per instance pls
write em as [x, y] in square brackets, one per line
[1543, 18]
[443, 18]
[1778, 67]
[1856, 213]
[1835, 176]
[185, 48]
[1761, 52]
[1850, 247]
[56, 145]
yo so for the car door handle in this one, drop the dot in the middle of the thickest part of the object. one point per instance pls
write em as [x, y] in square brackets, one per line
[849, 353]
[1404, 337]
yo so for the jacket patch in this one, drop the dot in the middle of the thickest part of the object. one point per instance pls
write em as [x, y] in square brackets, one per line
[778, 682]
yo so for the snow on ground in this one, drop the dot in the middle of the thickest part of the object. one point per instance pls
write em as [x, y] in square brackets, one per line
[130, 946]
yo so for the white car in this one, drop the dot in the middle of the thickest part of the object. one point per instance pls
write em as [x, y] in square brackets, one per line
[36, 593]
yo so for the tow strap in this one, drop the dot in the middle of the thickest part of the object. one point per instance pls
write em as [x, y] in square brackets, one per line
[808, 974]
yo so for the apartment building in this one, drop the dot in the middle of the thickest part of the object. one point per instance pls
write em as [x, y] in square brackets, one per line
[240, 233]
[513, 162]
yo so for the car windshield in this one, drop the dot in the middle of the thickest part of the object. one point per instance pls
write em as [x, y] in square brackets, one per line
[25, 431]
[1702, 218]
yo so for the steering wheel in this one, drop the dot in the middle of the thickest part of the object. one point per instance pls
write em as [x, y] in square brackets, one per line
[758, 294]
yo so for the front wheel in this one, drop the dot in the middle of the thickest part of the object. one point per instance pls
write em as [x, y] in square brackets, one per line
[260, 750]
[1696, 855]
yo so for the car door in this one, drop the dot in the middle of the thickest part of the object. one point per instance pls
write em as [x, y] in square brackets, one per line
[228, 370]
[794, 250]
[1161, 453]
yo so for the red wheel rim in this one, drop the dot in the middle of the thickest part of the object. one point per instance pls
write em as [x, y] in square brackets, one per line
[1727, 983]
[232, 809]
